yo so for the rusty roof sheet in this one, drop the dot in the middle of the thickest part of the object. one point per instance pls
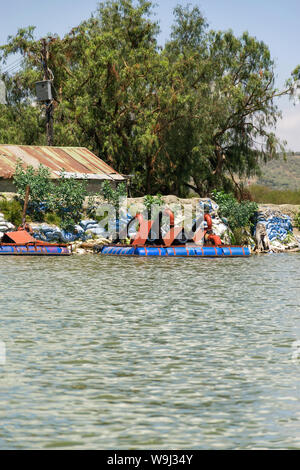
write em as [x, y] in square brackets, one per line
[75, 161]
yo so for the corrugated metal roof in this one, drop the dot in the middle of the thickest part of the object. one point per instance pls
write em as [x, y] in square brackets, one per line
[75, 161]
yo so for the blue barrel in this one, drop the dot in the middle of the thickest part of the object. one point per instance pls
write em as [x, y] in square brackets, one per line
[34, 250]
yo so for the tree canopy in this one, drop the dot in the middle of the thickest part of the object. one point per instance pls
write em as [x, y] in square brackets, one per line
[197, 113]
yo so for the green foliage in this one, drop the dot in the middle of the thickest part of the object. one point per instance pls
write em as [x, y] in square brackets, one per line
[38, 180]
[239, 236]
[62, 200]
[67, 200]
[112, 195]
[151, 201]
[12, 210]
[185, 116]
[297, 221]
[53, 219]
[238, 214]
[265, 195]
[41, 187]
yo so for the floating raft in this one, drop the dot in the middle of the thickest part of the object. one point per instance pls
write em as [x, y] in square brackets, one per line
[181, 251]
[34, 250]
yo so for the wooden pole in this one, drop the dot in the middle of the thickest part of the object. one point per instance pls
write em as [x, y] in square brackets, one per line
[49, 125]
[49, 103]
[25, 204]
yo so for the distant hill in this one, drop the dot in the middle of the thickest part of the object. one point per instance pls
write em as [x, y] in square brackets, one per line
[281, 174]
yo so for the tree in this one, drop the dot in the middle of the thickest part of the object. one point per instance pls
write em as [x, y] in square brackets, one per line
[194, 114]
[233, 107]
[110, 82]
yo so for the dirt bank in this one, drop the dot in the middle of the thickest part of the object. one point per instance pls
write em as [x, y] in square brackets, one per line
[288, 209]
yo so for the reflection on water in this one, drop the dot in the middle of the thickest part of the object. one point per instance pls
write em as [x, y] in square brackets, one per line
[125, 353]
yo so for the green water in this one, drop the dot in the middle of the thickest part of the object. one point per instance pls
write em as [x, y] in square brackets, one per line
[125, 353]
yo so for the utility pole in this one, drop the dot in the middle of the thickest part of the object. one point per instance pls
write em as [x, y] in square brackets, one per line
[48, 103]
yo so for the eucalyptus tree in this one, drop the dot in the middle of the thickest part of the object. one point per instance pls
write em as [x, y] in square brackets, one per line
[233, 108]
[111, 85]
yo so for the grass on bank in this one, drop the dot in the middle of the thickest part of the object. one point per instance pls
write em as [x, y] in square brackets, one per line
[265, 195]
[12, 210]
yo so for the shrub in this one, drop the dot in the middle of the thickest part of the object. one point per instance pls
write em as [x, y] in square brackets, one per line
[67, 200]
[297, 221]
[53, 218]
[113, 195]
[238, 214]
[150, 201]
[12, 211]
[63, 199]
[239, 236]
[41, 187]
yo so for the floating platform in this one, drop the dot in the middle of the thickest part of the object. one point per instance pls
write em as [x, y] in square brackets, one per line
[225, 251]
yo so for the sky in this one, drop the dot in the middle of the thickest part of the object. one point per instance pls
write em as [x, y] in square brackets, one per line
[276, 22]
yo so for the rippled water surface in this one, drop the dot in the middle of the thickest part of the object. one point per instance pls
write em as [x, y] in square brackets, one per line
[126, 353]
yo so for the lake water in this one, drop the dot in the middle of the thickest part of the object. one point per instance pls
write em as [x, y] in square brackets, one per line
[126, 353]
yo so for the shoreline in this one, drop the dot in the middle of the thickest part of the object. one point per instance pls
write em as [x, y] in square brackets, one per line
[221, 227]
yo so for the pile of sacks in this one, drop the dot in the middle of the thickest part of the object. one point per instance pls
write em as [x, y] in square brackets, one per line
[51, 233]
[278, 228]
[209, 204]
[5, 226]
[278, 225]
[85, 230]
[91, 227]
[219, 225]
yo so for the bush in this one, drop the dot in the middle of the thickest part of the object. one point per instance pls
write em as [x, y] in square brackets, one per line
[239, 236]
[53, 219]
[40, 184]
[297, 221]
[63, 199]
[113, 195]
[67, 200]
[238, 214]
[150, 201]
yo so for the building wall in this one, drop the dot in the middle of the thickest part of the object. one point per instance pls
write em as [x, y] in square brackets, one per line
[93, 187]
[7, 186]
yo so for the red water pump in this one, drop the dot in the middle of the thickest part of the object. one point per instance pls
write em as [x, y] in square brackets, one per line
[176, 235]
